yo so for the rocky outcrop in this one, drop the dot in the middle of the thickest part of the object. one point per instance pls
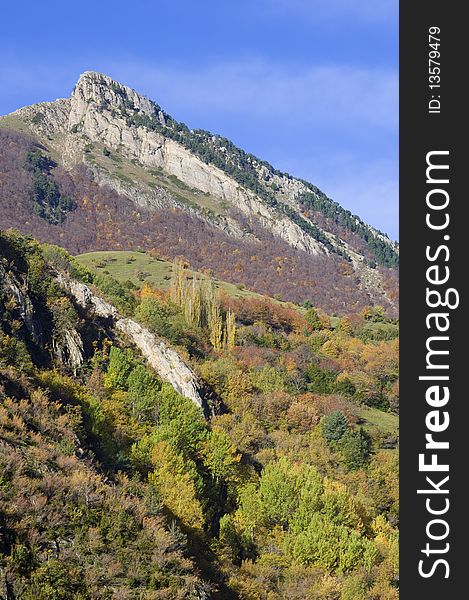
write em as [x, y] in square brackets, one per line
[85, 298]
[163, 359]
[19, 304]
[103, 90]
[94, 113]
[68, 349]
[166, 362]
[67, 346]
[46, 118]
[93, 105]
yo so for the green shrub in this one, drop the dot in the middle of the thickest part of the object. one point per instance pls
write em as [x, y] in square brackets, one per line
[278, 492]
[355, 447]
[320, 381]
[333, 547]
[334, 426]
[121, 364]
[118, 295]
[13, 353]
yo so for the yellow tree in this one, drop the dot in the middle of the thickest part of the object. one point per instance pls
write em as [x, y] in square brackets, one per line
[178, 278]
[216, 326]
[176, 486]
[230, 329]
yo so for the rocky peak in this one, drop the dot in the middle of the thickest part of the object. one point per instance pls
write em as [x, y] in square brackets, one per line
[96, 91]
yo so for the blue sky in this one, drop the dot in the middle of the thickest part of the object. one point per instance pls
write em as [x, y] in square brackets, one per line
[309, 85]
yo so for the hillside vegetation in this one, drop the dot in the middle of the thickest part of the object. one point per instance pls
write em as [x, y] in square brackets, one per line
[112, 485]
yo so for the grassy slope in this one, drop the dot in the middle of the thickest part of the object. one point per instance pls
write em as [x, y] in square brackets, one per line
[126, 265]
[10, 122]
[377, 420]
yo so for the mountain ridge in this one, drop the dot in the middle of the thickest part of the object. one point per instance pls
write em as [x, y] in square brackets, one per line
[128, 143]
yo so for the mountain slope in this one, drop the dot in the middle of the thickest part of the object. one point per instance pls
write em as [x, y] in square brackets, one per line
[127, 174]
[115, 484]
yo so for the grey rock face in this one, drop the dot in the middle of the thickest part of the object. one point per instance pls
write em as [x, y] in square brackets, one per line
[166, 362]
[101, 89]
[69, 349]
[85, 298]
[93, 112]
[19, 300]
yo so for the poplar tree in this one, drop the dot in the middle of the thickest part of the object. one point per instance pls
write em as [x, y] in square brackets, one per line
[230, 329]
[201, 306]
[216, 326]
[178, 277]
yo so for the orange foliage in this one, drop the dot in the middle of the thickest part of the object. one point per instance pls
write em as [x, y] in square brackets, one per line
[276, 315]
[147, 291]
